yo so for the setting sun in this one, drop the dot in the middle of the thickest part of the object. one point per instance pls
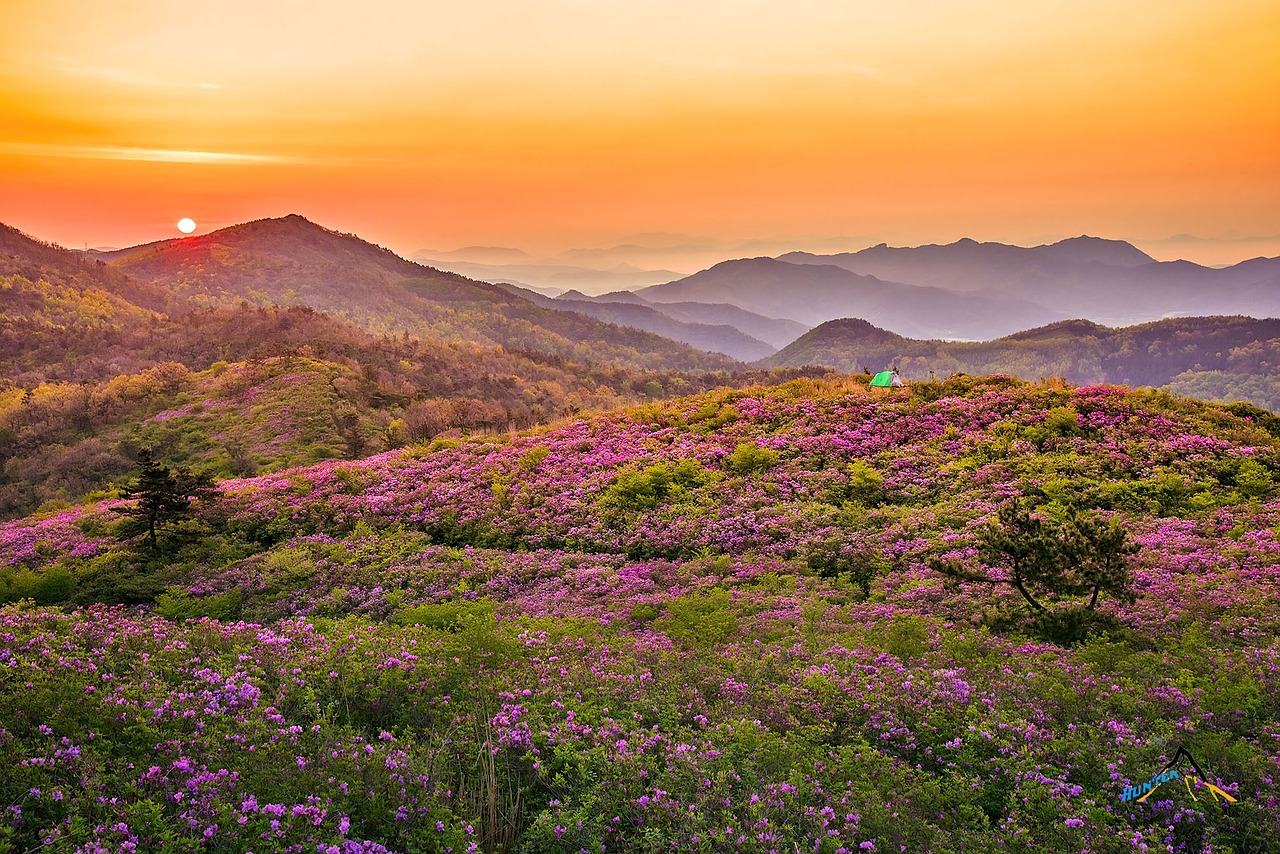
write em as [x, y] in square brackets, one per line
[186, 225]
[551, 126]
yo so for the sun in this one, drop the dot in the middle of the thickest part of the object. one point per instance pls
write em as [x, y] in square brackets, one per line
[186, 225]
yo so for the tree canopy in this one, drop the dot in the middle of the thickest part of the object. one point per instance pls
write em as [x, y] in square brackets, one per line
[161, 496]
[1037, 555]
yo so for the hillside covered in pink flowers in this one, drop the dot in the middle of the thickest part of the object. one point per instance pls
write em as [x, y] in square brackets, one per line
[714, 624]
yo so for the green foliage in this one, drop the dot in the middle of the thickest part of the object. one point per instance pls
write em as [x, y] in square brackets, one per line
[177, 604]
[1250, 477]
[748, 458]
[533, 457]
[161, 497]
[703, 619]
[646, 488]
[455, 616]
[54, 585]
[906, 637]
[864, 485]
[1264, 419]
[645, 612]
[1082, 554]
[1071, 624]
[839, 559]
[713, 415]
[1059, 422]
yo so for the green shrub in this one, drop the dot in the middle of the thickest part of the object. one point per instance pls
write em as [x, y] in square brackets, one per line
[749, 458]
[1249, 476]
[18, 584]
[456, 616]
[1062, 421]
[907, 637]
[645, 612]
[865, 484]
[532, 457]
[837, 559]
[1264, 419]
[56, 584]
[713, 415]
[176, 604]
[648, 487]
[699, 618]
[1071, 624]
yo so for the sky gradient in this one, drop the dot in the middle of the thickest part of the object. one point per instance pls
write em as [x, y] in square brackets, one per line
[551, 124]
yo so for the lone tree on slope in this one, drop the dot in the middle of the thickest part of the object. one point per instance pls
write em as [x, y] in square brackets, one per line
[161, 496]
[1081, 555]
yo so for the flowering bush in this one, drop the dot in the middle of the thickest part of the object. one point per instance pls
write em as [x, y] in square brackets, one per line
[490, 645]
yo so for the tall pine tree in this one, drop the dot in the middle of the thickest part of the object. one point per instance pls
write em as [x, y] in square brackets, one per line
[161, 496]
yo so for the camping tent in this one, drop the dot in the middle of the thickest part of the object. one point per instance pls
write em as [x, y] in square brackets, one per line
[885, 379]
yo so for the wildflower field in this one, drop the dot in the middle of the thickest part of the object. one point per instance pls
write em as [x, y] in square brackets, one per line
[709, 625]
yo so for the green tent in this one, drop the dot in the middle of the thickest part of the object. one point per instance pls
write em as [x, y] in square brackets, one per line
[884, 379]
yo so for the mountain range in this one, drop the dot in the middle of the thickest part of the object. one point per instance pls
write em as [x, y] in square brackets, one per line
[219, 359]
[1214, 358]
[814, 293]
[292, 261]
[1107, 281]
[80, 316]
[964, 290]
[718, 328]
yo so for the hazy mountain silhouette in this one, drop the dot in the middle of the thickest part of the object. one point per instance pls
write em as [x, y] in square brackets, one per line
[814, 293]
[292, 261]
[545, 276]
[772, 330]
[777, 332]
[1109, 281]
[713, 338]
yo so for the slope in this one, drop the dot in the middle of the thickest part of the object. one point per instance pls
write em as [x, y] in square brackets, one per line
[708, 625]
[1215, 358]
[291, 261]
[777, 332]
[243, 390]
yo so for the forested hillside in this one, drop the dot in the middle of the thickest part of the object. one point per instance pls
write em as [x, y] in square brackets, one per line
[292, 261]
[233, 392]
[99, 366]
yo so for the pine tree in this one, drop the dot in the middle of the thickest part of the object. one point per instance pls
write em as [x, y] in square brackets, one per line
[1096, 552]
[161, 496]
[1083, 555]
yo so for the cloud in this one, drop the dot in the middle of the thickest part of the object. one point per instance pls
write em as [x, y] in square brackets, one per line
[123, 76]
[1230, 238]
[147, 155]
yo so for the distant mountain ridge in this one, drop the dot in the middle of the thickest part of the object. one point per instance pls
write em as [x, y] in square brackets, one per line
[777, 332]
[815, 293]
[721, 338]
[1108, 281]
[1214, 358]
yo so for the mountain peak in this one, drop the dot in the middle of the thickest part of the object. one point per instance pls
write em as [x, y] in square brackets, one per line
[1088, 249]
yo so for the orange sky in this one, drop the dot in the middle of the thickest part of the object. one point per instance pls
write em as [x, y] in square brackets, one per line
[549, 124]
